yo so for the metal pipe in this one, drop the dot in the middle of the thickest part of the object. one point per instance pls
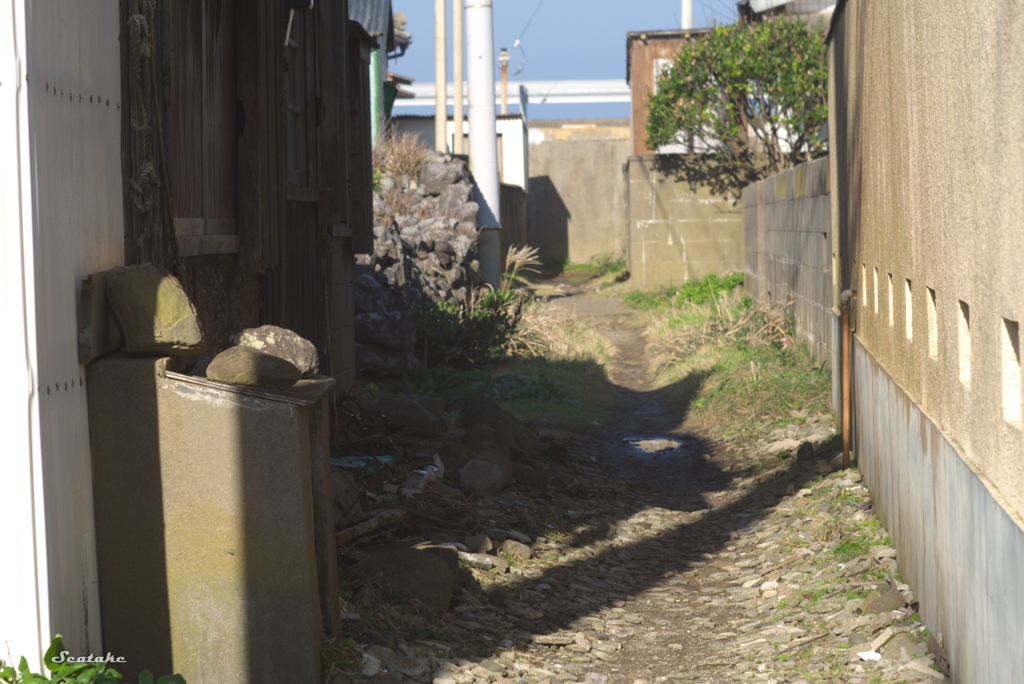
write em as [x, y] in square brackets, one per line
[844, 306]
[503, 61]
[440, 78]
[458, 142]
[687, 15]
[483, 139]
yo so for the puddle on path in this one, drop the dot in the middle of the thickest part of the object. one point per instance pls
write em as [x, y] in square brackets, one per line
[654, 445]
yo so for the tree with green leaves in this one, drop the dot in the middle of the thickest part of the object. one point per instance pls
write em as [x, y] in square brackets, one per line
[747, 99]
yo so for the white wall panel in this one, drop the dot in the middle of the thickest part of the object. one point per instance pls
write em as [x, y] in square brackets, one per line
[71, 224]
[22, 574]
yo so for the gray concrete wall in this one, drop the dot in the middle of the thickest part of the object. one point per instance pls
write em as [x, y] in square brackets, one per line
[926, 118]
[577, 200]
[788, 224]
[677, 232]
[214, 523]
[958, 546]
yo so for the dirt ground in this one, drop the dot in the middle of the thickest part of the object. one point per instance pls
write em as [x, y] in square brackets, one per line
[687, 563]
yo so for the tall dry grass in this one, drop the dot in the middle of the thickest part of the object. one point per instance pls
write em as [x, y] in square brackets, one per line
[399, 153]
[699, 327]
[520, 259]
[558, 338]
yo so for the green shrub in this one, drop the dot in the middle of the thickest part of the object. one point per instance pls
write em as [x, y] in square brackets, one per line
[73, 672]
[473, 335]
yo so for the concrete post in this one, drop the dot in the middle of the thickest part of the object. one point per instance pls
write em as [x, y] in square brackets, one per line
[483, 140]
[503, 61]
[440, 78]
[457, 73]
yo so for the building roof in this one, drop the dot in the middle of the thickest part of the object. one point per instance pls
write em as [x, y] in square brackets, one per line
[374, 16]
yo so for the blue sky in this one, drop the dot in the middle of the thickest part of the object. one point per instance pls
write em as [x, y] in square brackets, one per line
[566, 40]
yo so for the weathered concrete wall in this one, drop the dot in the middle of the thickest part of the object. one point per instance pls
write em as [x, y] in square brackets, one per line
[214, 524]
[676, 232]
[788, 223]
[577, 202]
[959, 548]
[927, 115]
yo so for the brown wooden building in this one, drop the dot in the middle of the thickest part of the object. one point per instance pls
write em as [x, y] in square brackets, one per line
[647, 53]
[247, 161]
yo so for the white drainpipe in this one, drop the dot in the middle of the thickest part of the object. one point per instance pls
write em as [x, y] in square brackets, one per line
[483, 133]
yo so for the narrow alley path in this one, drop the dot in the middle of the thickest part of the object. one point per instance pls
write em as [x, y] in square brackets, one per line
[686, 564]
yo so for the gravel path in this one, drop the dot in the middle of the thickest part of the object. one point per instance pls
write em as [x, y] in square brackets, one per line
[686, 564]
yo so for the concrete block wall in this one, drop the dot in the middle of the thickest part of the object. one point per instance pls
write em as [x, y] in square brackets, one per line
[788, 224]
[577, 200]
[676, 232]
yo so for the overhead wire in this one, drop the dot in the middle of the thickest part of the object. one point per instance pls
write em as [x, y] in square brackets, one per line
[519, 40]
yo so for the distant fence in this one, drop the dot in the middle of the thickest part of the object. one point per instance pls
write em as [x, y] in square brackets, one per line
[513, 218]
[788, 223]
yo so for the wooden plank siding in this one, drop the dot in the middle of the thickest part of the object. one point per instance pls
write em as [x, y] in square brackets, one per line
[267, 155]
[361, 147]
[203, 130]
[296, 289]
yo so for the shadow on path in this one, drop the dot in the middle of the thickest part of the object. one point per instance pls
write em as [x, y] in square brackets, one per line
[687, 479]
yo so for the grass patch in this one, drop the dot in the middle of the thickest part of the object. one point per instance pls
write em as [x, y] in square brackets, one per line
[851, 548]
[555, 368]
[698, 291]
[596, 267]
[743, 388]
[584, 392]
[732, 368]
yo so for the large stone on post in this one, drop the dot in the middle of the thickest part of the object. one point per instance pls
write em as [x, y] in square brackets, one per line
[282, 343]
[252, 368]
[153, 312]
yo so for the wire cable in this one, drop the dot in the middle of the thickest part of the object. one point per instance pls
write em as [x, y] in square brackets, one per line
[528, 22]
[518, 44]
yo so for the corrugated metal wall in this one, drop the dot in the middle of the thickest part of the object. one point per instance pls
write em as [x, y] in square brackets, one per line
[20, 592]
[958, 547]
[72, 76]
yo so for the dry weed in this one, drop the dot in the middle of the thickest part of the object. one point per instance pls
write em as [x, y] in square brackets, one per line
[558, 339]
[399, 153]
[519, 258]
[764, 325]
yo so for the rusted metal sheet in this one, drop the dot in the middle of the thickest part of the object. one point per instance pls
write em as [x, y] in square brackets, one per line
[957, 546]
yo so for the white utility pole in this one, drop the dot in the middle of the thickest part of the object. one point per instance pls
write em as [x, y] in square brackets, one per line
[458, 147]
[687, 13]
[440, 78]
[483, 134]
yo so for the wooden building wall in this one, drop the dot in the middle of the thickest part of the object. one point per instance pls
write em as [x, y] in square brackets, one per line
[644, 50]
[263, 176]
